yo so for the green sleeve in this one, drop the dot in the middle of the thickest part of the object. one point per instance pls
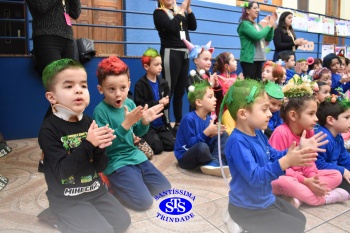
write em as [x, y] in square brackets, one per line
[248, 29]
[270, 35]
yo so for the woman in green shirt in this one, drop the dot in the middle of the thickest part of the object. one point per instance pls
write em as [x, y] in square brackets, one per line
[254, 38]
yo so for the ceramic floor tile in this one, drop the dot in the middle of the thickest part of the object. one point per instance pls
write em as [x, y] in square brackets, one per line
[327, 212]
[311, 220]
[327, 228]
[342, 221]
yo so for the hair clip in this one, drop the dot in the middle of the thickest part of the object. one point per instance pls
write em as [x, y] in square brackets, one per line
[245, 4]
[250, 98]
[310, 60]
[195, 50]
[191, 88]
[280, 62]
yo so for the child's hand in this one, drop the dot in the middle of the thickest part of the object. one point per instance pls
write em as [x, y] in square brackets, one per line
[213, 79]
[314, 184]
[241, 76]
[150, 114]
[131, 117]
[313, 142]
[136, 139]
[345, 78]
[101, 137]
[164, 100]
[296, 157]
[347, 175]
[213, 129]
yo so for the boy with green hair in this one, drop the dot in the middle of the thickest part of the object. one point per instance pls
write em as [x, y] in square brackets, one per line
[254, 164]
[196, 141]
[303, 66]
[74, 148]
[334, 118]
[151, 89]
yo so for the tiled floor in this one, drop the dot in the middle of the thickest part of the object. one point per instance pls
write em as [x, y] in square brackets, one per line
[24, 197]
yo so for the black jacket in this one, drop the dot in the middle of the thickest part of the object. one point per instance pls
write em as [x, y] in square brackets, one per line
[144, 93]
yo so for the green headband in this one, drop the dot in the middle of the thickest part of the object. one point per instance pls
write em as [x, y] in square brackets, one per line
[274, 90]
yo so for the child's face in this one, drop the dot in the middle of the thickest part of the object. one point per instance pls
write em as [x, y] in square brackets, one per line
[342, 66]
[70, 90]
[327, 78]
[335, 65]
[259, 115]
[307, 119]
[203, 61]
[208, 103]
[267, 74]
[347, 68]
[283, 80]
[155, 66]
[232, 63]
[317, 66]
[115, 89]
[303, 66]
[323, 93]
[290, 63]
[275, 104]
[342, 125]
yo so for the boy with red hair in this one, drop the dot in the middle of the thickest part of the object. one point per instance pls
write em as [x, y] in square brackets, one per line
[133, 178]
[151, 89]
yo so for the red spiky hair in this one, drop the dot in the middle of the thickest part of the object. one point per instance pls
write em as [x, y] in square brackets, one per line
[111, 66]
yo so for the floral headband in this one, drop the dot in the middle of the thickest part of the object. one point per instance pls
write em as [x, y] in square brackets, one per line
[195, 50]
[318, 73]
[298, 87]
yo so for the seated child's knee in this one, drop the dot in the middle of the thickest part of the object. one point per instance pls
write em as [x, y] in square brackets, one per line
[203, 148]
[143, 203]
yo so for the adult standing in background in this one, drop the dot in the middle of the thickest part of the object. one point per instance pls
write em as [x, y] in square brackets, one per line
[254, 39]
[173, 23]
[284, 36]
[52, 29]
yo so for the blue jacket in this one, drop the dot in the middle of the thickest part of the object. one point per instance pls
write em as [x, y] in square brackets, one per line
[275, 120]
[336, 83]
[336, 156]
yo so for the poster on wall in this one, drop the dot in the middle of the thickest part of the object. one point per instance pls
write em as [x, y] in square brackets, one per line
[348, 28]
[315, 24]
[328, 26]
[347, 52]
[341, 27]
[280, 10]
[327, 49]
[300, 21]
[340, 51]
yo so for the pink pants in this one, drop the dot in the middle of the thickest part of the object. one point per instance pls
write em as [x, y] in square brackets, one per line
[291, 187]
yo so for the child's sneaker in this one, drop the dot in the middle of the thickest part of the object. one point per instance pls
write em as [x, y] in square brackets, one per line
[232, 227]
[292, 200]
[337, 195]
[213, 168]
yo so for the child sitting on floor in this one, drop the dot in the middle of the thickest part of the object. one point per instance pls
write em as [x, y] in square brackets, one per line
[303, 184]
[196, 141]
[334, 118]
[151, 89]
[74, 148]
[254, 164]
[133, 178]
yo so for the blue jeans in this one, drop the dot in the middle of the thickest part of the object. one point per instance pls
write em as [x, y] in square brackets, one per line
[202, 153]
[135, 185]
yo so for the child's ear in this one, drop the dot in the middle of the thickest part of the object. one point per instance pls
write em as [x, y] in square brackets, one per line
[241, 114]
[227, 67]
[195, 61]
[145, 66]
[99, 88]
[50, 97]
[198, 102]
[330, 120]
[293, 115]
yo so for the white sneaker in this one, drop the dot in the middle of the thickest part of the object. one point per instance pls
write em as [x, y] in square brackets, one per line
[213, 168]
[232, 227]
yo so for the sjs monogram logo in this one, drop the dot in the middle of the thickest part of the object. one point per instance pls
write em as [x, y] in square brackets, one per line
[175, 206]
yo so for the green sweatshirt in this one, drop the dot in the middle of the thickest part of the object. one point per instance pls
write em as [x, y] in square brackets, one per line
[249, 36]
[122, 152]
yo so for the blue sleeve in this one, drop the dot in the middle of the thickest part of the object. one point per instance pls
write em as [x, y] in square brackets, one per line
[245, 162]
[191, 134]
